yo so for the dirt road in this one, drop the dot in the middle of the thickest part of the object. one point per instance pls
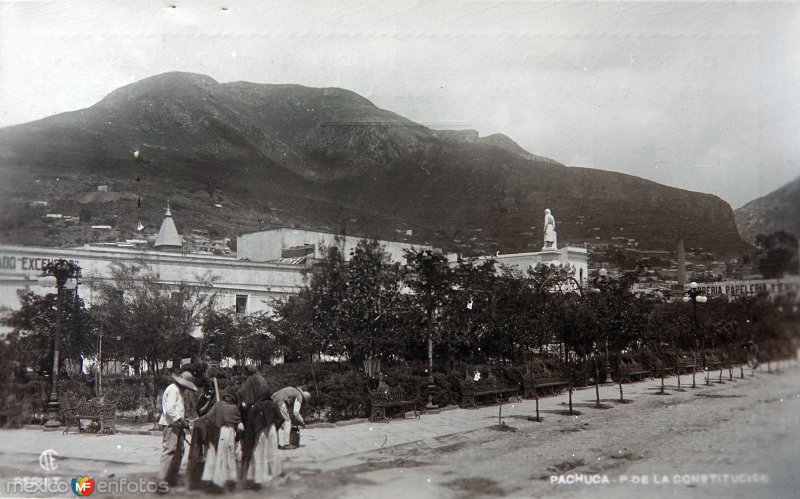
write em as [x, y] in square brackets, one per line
[738, 439]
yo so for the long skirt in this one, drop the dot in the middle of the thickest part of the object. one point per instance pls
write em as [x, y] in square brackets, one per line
[220, 465]
[265, 464]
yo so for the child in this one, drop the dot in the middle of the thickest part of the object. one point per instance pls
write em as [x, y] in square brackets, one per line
[220, 465]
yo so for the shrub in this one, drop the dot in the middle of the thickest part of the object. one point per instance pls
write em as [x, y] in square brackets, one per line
[71, 391]
[342, 396]
[129, 393]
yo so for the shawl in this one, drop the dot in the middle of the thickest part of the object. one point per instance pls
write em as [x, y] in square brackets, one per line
[263, 414]
[254, 388]
[224, 413]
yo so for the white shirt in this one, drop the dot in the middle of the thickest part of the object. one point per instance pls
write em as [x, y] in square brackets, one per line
[296, 411]
[171, 405]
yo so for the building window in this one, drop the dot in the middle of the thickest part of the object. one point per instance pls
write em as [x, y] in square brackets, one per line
[241, 304]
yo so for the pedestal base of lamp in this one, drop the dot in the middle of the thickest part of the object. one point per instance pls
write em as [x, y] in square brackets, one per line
[431, 405]
[53, 421]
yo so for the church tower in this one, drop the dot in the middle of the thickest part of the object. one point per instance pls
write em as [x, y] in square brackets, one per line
[168, 238]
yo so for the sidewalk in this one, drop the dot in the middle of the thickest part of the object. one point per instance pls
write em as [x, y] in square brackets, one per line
[322, 447]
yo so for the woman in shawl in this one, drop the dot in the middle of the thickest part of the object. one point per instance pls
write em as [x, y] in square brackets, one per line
[220, 465]
[260, 462]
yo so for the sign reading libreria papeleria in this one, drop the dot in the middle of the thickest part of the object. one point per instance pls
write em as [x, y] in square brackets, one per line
[777, 287]
[750, 287]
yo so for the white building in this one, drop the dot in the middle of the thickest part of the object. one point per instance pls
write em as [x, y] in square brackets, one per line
[266, 268]
[245, 286]
[574, 256]
[277, 244]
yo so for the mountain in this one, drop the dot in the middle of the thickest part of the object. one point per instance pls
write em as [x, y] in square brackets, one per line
[235, 156]
[498, 139]
[778, 210]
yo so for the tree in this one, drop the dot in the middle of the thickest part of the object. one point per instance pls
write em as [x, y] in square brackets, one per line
[367, 315]
[348, 308]
[296, 332]
[429, 277]
[153, 321]
[320, 301]
[465, 299]
[621, 320]
[777, 254]
[34, 326]
[238, 336]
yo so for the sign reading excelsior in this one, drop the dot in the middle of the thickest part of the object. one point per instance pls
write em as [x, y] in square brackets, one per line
[19, 262]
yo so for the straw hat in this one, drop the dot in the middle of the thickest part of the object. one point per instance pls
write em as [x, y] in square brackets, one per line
[186, 379]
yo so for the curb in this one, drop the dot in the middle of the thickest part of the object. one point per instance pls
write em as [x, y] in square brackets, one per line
[350, 422]
[139, 432]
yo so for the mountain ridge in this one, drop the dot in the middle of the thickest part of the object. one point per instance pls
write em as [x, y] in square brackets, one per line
[327, 159]
[778, 210]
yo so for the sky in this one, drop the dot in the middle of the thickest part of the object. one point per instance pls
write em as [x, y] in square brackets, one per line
[698, 95]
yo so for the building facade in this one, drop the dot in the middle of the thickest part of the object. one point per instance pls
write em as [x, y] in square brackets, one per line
[266, 270]
[242, 285]
[573, 256]
[277, 244]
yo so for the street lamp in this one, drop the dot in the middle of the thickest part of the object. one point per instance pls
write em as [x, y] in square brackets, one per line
[63, 275]
[695, 296]
[427, 267]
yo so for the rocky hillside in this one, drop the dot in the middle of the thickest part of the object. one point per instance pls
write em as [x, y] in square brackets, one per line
[778, 210]
[229, 155]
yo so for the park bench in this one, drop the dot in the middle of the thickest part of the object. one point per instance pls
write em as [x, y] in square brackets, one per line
[686, 366]
[534, 384]
[490, 385]
[634, 372]
[97, 411]
[385, 397]
[661, 368]
[712, 362]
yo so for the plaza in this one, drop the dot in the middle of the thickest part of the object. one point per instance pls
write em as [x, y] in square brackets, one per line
[656, 446]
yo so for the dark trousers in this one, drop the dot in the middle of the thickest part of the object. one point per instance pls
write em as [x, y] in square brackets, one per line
[197, 454]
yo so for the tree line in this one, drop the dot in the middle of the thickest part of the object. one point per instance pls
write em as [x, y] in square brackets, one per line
[365, 306]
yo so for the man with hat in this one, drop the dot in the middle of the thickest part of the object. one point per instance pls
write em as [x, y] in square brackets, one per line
[289, 400]
[175, 424]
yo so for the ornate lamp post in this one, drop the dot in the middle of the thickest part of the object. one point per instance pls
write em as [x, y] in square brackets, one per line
[64, 276]
[424, 272]
[428, 271]
[695, 296]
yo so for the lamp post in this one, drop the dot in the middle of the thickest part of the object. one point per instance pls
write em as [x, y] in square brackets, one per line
[64, 276]
[695, 296]
[427, 267]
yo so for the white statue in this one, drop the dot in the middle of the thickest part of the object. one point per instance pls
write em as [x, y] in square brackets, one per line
[549, 232]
